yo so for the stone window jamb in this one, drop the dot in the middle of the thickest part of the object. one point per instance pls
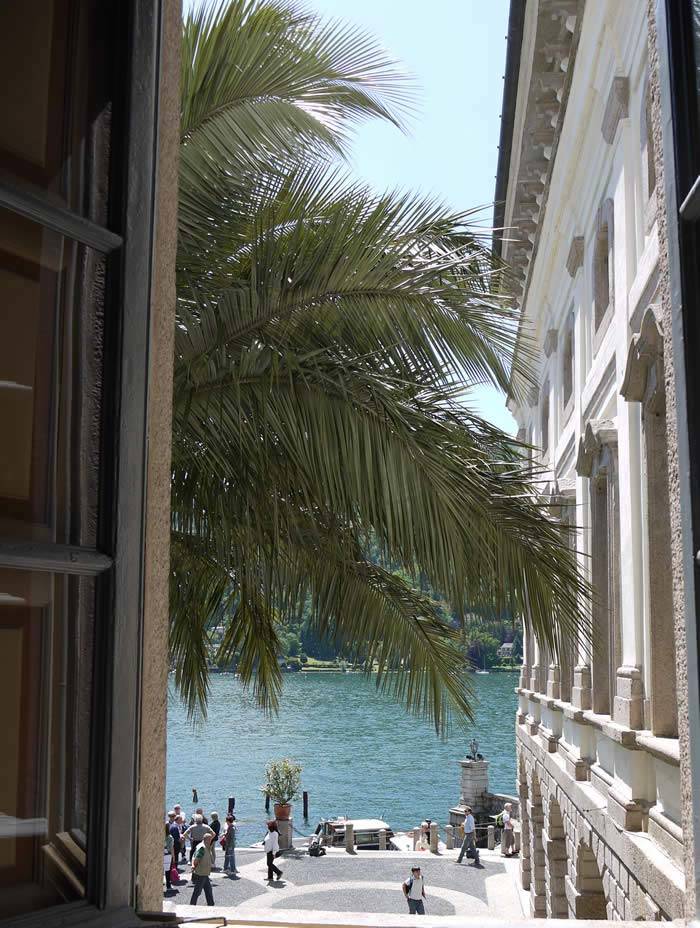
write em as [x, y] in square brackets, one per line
[603, 271]
[597, 460]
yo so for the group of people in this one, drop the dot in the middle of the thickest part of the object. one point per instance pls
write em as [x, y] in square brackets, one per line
[203, 834]
[414, 886]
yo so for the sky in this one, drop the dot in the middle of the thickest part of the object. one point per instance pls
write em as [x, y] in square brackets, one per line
[455, 50]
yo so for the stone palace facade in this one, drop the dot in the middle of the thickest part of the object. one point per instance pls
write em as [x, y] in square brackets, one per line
[599, 754]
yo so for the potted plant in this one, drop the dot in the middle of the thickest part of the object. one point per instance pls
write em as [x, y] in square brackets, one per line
[282, 785]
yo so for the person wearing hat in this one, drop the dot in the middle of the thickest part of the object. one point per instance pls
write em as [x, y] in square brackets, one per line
[414, 891]
[201, 868]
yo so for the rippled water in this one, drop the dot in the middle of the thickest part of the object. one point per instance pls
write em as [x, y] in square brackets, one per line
[362, 754]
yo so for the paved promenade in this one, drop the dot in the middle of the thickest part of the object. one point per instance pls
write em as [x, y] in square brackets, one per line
[365, 883]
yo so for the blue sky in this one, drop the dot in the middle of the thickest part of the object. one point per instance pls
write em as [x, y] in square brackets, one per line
[455, 50]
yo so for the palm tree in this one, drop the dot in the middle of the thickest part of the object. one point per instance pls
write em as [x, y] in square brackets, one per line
[327, 340]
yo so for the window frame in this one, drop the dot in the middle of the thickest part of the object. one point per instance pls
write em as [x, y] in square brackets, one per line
[117, 562]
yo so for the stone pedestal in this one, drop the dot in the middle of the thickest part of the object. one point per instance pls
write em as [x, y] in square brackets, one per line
[284, 827]
[629, 699]
[474, 783]
[581, 692]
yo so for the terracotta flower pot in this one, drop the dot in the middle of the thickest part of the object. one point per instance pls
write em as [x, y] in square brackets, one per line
[283, 811]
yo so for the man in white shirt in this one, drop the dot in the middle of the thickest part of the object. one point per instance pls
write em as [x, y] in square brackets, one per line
[414, 891]
[469, 843]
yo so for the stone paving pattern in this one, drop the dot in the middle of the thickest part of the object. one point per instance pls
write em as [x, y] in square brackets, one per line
[368, 882]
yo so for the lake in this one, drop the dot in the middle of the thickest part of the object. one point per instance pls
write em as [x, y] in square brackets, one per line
[362, 754]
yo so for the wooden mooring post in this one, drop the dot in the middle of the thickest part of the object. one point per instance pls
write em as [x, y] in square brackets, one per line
[305, 801]
[231, 804]
[267, 803]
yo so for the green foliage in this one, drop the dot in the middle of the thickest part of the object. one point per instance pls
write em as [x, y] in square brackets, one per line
[282, 781]
[327, 465]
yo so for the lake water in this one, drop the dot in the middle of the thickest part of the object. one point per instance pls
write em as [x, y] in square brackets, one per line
[362, 754]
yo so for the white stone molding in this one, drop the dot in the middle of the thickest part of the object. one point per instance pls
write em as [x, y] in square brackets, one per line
[643, 380]
[550, 342]
[598, 434]
[574, 259]
[617, 107]
[553, 49]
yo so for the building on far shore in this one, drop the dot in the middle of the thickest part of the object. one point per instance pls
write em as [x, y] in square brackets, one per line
[593, 165]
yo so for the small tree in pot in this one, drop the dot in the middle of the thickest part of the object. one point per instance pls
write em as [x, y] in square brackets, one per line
[282, 785]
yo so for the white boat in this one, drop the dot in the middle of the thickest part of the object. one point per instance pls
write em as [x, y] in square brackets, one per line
[365, 832]
[403, 841]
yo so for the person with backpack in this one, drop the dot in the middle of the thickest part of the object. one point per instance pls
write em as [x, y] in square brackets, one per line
[414, 891]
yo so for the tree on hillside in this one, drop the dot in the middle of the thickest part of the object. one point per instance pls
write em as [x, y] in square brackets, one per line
[326, 338]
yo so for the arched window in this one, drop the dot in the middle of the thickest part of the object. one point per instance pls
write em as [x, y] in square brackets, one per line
[603, 289]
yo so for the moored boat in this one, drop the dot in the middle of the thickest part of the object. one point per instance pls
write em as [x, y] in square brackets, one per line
[365, 832]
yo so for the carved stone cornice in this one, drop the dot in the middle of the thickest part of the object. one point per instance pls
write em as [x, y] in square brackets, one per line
[550, 342]
[598, 434]
[554, 44]
[645, 357]
[574, 259]
[616, 108]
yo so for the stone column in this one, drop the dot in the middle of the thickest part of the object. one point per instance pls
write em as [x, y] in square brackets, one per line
[538, 887]
[284, 827]
[628, 708]
[536, 667]
[474, 782]
[524, 681]
[433, 837]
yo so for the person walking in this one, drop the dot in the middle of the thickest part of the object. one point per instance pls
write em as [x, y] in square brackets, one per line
[168, 858]
[215, 826]
[183, 828]
[173, 829]
[201, 868]
[469, 844]
[271, 843]
[196, 833]
[414, 891]
[229, 844]
[507, 830]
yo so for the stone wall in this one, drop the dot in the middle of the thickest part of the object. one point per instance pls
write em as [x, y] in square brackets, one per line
[576, 861]
[157, 560]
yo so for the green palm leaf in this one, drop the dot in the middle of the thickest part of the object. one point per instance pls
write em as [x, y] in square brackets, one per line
[327, 342]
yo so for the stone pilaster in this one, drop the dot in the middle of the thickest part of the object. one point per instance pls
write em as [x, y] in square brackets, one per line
[581, 691]
[629, 697]
[474, 782]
